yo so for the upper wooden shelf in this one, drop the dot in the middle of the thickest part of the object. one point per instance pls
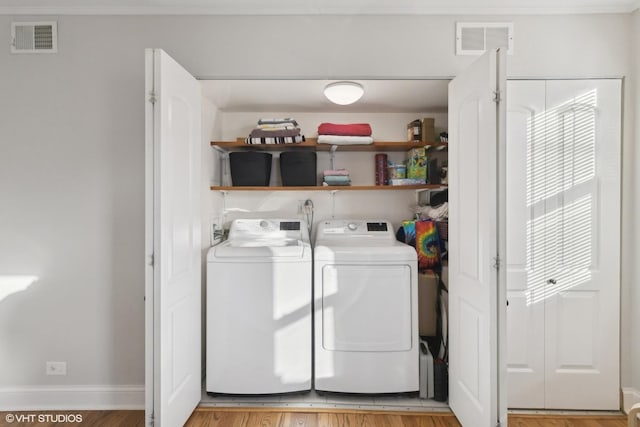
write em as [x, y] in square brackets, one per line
[312, 144]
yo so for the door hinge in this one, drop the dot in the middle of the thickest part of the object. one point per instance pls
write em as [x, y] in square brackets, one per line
[152, 420]
[152, 259]
[497, 96]
[497, 263]
[152, 97]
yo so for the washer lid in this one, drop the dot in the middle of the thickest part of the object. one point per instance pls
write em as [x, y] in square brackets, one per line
[265, 248]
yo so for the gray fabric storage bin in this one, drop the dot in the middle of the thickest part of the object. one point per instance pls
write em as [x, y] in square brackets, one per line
[250, 168]
[298, 168]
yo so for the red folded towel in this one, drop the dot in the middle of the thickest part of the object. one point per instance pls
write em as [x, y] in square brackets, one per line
[352, 129]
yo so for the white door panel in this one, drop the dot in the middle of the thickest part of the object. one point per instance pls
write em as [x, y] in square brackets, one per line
[576, 346]
[525, 249]
[583, 210]
[564, 222]
[525, 350]
[477, 298]
[173, 290]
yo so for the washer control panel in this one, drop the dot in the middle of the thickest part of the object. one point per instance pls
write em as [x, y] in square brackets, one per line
[266, 228]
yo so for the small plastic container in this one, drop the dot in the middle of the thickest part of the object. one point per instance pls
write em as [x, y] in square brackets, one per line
[397, 171]
[382, 173]
[250, 168]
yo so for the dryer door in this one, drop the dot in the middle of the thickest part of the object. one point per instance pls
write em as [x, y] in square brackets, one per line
[366, 308]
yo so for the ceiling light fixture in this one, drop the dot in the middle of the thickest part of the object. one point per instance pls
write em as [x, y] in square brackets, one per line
[343, 93]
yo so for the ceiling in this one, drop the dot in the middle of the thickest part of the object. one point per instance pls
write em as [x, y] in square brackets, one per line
[314, 7]
[381, 96]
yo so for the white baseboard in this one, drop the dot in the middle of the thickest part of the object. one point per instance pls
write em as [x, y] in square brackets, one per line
[630, 396]
[71, 398]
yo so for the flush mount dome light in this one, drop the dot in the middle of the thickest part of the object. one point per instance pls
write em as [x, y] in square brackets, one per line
[343, 93]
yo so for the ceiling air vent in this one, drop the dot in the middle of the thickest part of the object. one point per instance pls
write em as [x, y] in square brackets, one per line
[475, 38]
[34, 37]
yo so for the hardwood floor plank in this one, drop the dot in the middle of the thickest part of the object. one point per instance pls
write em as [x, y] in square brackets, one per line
[299, 419]
[201, 418]
[533, 422]
[368, 419]
[265, 419]
[327, 420]
[385, 420]
[445, 420]
[114, 419]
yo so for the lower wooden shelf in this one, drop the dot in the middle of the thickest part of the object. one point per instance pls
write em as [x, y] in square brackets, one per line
[330, 188]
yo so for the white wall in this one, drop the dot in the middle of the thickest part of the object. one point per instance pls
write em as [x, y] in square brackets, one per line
[71, 196]
[72, 147]
[631, 161]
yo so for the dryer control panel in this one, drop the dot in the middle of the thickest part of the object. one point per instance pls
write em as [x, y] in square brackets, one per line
[350, 229]
[377, 226]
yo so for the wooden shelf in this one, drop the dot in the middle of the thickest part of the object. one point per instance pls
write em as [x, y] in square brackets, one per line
[312, 144]
[331, 188]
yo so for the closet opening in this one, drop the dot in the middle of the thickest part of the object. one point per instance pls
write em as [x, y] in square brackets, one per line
[232, 109]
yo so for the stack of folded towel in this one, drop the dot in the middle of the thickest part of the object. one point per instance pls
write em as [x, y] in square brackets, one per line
[336, 177]
[344, 134]
[275, 131]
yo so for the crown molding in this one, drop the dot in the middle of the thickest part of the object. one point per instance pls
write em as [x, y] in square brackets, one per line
[229, 9]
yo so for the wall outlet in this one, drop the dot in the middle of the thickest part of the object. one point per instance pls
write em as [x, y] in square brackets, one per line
[56, 368]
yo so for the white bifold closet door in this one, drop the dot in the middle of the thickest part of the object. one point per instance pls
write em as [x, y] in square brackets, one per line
[563, 243]
[172, 242]
[477, 288]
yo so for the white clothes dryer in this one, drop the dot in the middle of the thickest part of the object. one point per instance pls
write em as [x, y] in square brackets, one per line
[259, 293]
[365, 309]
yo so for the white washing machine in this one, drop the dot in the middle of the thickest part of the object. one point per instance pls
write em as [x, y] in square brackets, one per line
[365, 309]
[259, 293]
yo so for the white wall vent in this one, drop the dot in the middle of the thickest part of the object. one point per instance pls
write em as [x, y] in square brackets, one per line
[475, 38]
[34, 37]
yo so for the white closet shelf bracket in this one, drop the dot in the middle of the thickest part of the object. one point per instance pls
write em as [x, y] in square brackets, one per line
[220, 150]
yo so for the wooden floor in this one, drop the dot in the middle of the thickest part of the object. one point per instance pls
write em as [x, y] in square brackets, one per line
[214, 417]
